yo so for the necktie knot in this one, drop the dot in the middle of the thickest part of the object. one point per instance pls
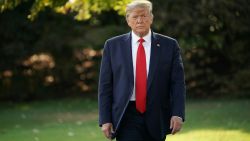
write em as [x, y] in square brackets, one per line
[141, 40]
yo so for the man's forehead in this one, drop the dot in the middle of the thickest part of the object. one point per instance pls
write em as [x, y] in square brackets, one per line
[139, 10]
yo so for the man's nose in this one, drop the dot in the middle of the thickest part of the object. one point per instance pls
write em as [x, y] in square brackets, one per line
[140, 19]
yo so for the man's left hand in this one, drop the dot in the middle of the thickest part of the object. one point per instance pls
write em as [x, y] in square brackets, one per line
[175, 124]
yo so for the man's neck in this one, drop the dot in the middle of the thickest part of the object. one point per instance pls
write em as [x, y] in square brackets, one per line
[142, 35]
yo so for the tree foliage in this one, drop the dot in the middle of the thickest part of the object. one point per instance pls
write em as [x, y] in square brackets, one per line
[214, 35]
[84, 9]
[55, 56]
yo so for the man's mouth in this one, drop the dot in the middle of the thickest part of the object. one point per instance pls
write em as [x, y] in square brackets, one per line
[140, 26]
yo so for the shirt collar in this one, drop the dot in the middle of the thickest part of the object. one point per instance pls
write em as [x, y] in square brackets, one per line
[135, 38]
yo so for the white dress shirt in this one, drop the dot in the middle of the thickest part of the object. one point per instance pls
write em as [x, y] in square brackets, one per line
[147, 48]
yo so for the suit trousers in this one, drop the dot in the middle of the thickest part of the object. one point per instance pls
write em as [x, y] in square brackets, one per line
[133, 126]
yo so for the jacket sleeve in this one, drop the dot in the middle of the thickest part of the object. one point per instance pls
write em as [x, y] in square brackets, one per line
[105, 88]
[178, 88]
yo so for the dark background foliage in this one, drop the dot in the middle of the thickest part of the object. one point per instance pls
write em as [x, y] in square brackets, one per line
[55, 56]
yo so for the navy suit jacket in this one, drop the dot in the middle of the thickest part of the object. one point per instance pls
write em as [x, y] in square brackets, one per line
[165, 83]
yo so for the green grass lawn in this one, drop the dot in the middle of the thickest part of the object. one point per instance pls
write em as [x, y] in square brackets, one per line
[76, 120]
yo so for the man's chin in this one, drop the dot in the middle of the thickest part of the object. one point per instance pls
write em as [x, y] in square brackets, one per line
[142, 33]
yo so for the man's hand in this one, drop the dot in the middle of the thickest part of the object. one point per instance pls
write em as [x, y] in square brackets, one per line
[107, 129]
[175, 124]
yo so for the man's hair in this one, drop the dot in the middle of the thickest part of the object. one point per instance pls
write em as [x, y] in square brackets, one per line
[139, 4]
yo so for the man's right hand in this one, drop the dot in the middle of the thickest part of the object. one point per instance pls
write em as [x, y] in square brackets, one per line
[107, 129]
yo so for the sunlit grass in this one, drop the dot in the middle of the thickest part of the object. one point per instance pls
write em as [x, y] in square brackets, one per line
[50, 121]
[77, 120]
[216, 121]
[211, 135]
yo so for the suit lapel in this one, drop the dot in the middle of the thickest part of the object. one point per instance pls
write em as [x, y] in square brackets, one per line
[128, 54]
[154, 57]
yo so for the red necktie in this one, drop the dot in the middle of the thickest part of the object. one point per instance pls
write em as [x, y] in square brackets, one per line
[141, 78]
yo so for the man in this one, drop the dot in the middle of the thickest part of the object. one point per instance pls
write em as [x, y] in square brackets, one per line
[141, 87]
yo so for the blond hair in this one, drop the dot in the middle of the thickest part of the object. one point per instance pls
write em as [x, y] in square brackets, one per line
[139, 4]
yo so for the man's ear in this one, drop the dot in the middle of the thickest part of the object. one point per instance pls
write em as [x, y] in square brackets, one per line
[127, 20]
[152, 18]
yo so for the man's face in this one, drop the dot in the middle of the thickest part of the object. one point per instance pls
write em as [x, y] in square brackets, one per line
[140, 20]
